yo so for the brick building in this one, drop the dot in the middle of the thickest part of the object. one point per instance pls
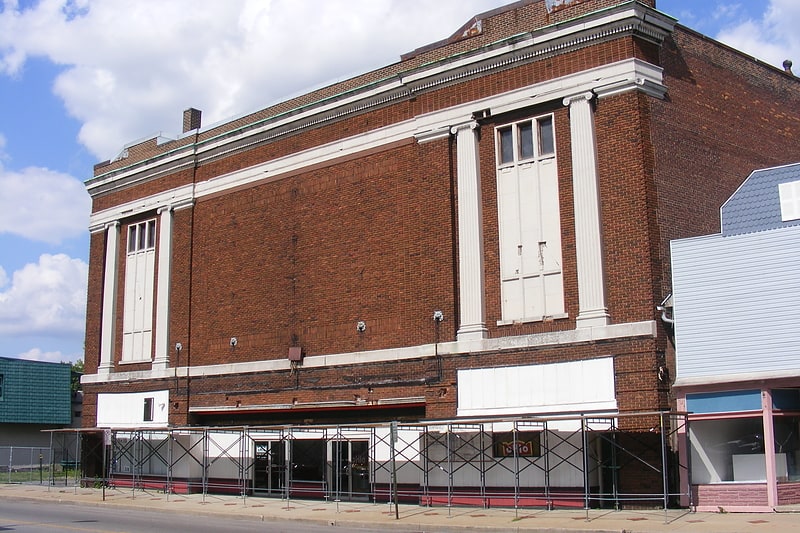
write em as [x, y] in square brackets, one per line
[479, 230]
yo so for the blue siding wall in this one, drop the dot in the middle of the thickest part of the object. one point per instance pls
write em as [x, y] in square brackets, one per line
[736, 304]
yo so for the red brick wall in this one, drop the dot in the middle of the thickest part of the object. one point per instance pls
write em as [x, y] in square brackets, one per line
[301, 260]
[94, 302]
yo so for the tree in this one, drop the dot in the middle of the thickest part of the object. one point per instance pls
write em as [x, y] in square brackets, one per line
[77, 372]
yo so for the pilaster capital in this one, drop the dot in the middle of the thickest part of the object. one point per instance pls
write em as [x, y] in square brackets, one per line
[580, 97]
[472, 125]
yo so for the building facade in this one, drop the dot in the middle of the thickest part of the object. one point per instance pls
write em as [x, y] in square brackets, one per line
[478, 230]
[738, 367]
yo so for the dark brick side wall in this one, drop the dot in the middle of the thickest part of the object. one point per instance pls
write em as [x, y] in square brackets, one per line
[725, 116]
[94, 302]
[626, 206]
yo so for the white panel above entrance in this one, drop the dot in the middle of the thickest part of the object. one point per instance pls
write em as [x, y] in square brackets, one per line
[573, 387]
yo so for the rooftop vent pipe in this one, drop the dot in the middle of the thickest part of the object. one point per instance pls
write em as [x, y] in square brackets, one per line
[787, 66]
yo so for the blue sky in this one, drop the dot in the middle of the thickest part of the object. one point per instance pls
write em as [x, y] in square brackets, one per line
[80, 79]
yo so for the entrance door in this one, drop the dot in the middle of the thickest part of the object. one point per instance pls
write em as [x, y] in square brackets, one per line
[270, 468]
[349, 470]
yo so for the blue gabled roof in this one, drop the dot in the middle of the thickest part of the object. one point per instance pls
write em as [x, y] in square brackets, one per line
[756, 205]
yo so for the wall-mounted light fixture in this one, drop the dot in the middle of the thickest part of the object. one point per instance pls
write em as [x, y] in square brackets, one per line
[438, 316]
[178, 347]
[234, 342]
[361, 326]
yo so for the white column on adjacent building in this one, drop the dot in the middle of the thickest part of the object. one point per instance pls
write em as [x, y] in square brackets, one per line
[769, 447]
[162, 351]
[470, 234]
[109, 317]
[593, 310]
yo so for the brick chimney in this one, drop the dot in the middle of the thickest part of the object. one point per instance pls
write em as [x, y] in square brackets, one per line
[191, 119]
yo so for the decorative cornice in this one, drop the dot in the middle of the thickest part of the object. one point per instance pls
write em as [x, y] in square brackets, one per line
[631, 19]
[432, 135]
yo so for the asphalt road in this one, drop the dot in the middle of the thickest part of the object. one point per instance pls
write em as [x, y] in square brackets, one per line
[45, 517]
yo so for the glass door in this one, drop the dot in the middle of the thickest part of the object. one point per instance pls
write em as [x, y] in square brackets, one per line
[270, 468]
[349, 470]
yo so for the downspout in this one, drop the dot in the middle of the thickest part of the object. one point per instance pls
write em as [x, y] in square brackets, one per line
[191, 271]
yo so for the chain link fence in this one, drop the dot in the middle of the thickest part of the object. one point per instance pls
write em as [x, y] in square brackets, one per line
[42, 465]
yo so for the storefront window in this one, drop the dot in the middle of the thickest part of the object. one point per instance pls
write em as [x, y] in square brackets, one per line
[787, 447]
[727, 450]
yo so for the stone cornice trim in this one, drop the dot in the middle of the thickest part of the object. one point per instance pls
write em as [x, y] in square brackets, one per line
[175, 199]
[612, 332]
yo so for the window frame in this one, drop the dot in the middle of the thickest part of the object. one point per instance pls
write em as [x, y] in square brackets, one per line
[142, 236]
[148, 413]
[517, 148]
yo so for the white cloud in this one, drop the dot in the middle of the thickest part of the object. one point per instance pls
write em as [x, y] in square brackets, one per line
[36, 354]
[125, 81]
[48, 298]
[727, 11]
[771, 38]
[42, 205]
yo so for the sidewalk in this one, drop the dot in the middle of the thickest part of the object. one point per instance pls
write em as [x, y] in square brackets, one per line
[412, 517]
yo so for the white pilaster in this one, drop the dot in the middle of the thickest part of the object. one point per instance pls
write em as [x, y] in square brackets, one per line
[109, 317]
[161, 360]
[470, 234]
[588, 234]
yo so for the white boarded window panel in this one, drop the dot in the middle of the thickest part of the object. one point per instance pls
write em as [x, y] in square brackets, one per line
[530, 240]
[137, 321]
[124, 410]
[573, 387]
[790, 200]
